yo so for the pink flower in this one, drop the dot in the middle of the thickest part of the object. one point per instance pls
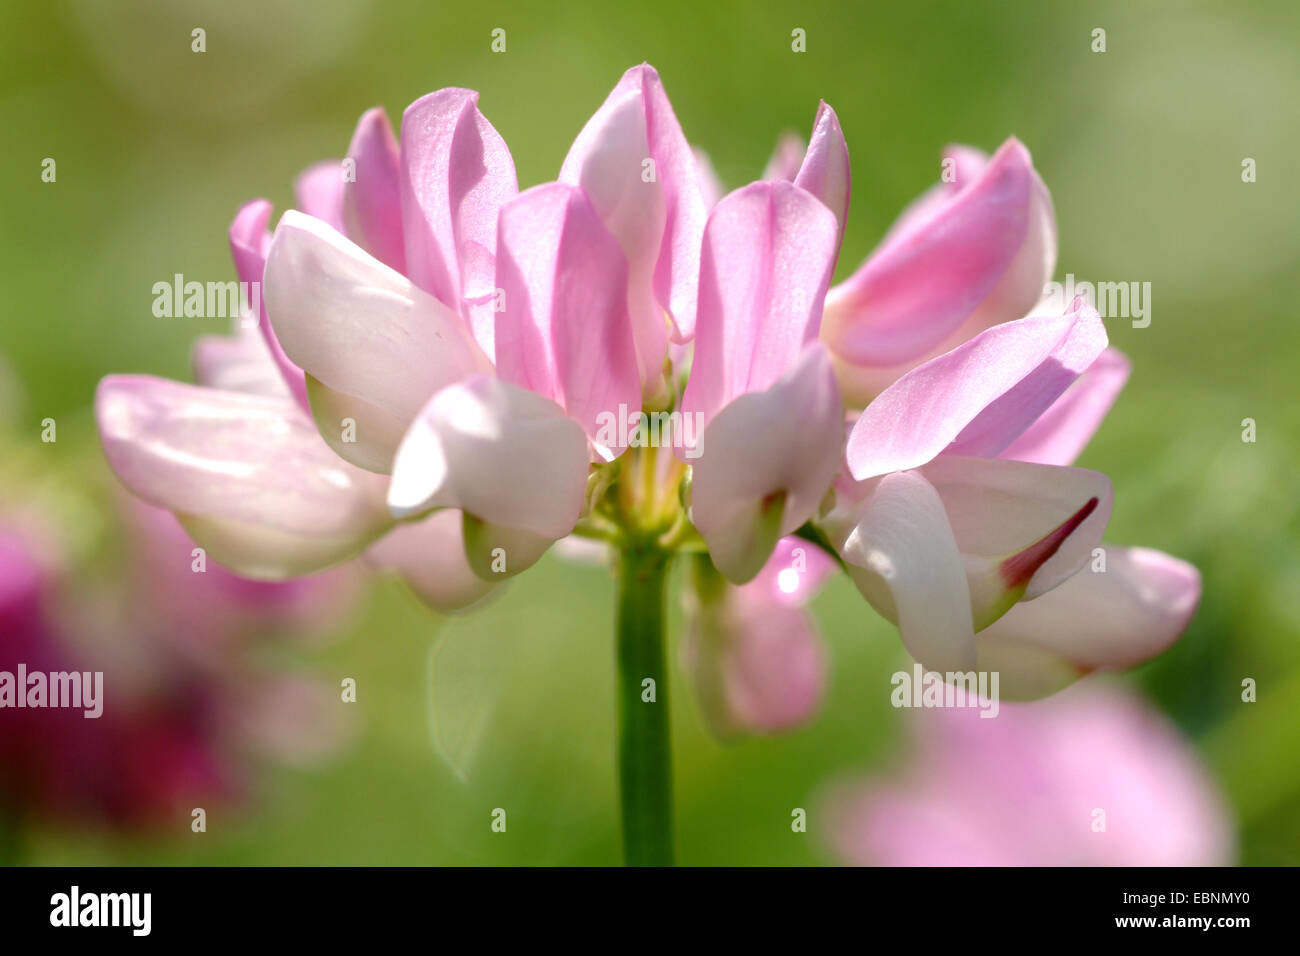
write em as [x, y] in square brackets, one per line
[753, 652]
[1093, 777]
[302, 498]
[450, 353]
[138, 761]
[945, 533]
[974, 251]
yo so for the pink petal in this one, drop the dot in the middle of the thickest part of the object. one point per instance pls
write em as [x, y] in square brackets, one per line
[318, 191]
[758, 664]
[1113, 619]
[372, 200]
[825, 168]
[978, 398]
[501, 453]
[381, 345]
[1022, 789]
[926, 280]
[456, 175]
[564, 331]
[247, 474]
[607, 162]
[676, 270]
[767, 258]
[777, 448]
[249, 244]
[430, 555]
[1061, 432]
[967, 165]
[795, 572]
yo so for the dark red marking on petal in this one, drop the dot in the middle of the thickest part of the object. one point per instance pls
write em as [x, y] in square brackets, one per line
[1020, 567]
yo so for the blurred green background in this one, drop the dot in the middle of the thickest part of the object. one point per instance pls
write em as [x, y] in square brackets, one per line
[1141, 146]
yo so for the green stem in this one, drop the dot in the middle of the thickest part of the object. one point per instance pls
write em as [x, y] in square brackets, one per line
[644, 751]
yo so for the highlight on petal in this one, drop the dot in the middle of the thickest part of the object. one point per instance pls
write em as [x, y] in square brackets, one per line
[247, 474]
[608, 161]
[903, 556]
[318, 191]
[430, 555]
[758, 664]
[1061, 432]
[765, 463]
[375, 346]
[501, 453]
[564, 331]
[599, 161]
[992, 241]
[824, 171]
[767, 257]
[1111, 614]
[456, 175]
[795, 572]
[978, 398]
[249, 244]
[372, 197]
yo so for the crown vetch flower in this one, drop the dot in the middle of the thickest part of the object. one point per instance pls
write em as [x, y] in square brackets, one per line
[445, 349]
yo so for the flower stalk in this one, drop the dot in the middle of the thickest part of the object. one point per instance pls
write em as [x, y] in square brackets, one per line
[644, 747]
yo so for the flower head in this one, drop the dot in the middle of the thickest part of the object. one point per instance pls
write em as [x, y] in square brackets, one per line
[448, 352]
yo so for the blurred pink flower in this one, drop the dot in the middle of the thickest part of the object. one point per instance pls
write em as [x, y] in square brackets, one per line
[179, 707]
[754, 654]
[1092, 777]
[141, 761]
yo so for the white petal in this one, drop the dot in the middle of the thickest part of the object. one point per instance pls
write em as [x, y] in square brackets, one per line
[784, 442]
[904, 559]
[248, 474]
[1112, 619]
[358, 327]
[499, 452]
[430, 555]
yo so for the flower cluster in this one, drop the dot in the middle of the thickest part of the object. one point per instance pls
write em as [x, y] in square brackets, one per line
[440, 354]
